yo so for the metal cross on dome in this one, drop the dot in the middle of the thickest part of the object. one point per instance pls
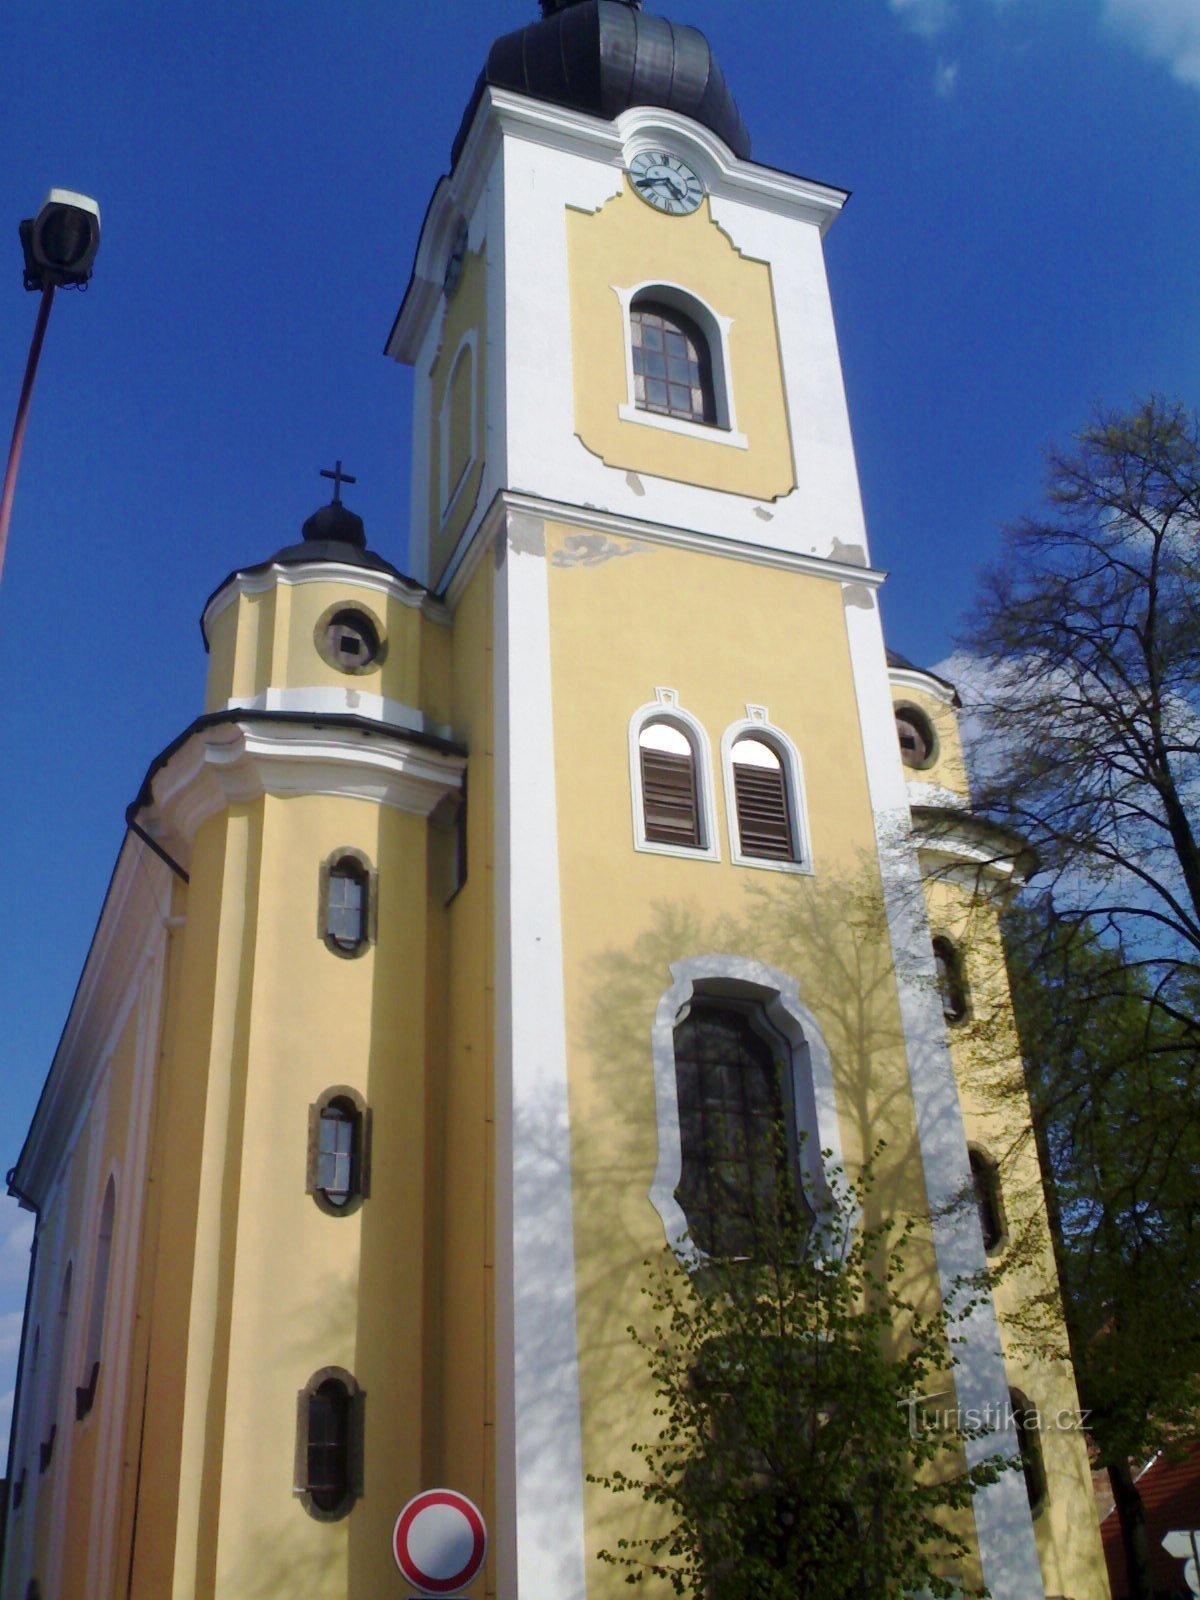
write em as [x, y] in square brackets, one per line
[339, 478]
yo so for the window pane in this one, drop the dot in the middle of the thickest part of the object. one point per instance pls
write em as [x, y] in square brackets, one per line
[329, 1445]
[335, 1154]
[736, 1184]
[346, 922]
[667, 345]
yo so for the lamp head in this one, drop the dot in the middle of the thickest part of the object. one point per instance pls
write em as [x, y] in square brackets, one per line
[61, 242]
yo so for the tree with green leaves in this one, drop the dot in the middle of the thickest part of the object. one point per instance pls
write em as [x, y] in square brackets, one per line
[1113, 1086]
[805, 1448]
[1083, 694]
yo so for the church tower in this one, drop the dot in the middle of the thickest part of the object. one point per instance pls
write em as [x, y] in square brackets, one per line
[380, 1083]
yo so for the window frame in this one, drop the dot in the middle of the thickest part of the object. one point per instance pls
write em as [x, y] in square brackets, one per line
[715, 329]
[85, 1393]
[956, 980]
[742, 980]
[925, 724]
[361, 1188]
[449, 493]
[347, 669]
[333, 860]
[757, 725]
[1029, 1447]
[301, 1486]
[665, 708]
[995, 1195]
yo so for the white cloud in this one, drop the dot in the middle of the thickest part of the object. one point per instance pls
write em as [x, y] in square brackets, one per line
[925, 17]
[1165, 30]
[945, 78]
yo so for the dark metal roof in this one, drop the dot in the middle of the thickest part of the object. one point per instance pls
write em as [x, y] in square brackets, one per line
[895, 659]
[333, 533]
[604, 56]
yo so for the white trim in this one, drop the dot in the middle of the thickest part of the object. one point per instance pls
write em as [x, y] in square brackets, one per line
[757, 724]
[1007, 1546]
[508, 501]
[236, 762]
[813, 1095]
[913, 679]
[540, 1540]
[327, 700]
[715, 328]
[448, 493]
[665, 707]
[301, 572]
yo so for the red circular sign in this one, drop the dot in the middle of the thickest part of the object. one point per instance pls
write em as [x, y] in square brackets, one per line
[440, 1541]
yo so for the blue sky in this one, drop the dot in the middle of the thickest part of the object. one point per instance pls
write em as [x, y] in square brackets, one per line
[1020, 245]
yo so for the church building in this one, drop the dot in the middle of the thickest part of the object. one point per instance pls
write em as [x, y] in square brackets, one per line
[386, 1070]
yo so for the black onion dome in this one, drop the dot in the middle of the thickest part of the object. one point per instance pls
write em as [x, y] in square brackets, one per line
[333, 533]
[604, 56]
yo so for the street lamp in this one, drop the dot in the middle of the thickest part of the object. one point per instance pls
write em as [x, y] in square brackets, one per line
[60, 244]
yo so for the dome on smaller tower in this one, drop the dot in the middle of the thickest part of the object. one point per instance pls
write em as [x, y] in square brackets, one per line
[604, 56]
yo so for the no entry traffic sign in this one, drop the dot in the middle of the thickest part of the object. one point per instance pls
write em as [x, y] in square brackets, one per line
[440, 1541]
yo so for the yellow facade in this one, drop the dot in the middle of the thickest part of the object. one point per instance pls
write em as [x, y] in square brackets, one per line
[499, 1022]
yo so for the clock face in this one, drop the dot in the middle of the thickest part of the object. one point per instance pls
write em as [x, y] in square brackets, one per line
[665, 183]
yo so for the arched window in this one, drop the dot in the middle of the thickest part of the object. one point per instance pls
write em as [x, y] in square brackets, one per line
[672, 363]
[918, 742]
[764, 795]
[952, 987]
[348, 895]
[329, 1444]
[1027, 1423]
[338, 1128]
[670, 798]
[54, 1374]
[738, 1184]
[85, 1393]
[985, 1183]
[764, 816]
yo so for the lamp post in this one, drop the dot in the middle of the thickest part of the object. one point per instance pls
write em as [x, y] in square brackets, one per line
[60, 244]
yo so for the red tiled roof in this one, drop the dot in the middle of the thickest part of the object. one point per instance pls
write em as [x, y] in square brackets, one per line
[1170, 1490]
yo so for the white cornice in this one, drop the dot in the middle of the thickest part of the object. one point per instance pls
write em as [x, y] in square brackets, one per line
[236, 762]
[947, 839]
[923, 683]
[325, 700]
[649, 533]
[501, 112]
[371, 579]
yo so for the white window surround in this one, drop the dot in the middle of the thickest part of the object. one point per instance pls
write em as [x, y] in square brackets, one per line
[739, 978]
[715, 329]
[757, 725]
[665, 707]
[448, 492]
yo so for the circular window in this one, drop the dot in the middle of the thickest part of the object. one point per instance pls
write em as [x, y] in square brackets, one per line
[350, 639]
[918, 742]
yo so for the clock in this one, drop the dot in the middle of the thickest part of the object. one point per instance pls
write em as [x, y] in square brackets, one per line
[665, 183]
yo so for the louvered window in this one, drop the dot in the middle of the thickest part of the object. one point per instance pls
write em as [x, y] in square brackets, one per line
[669, 794]
[760, 789]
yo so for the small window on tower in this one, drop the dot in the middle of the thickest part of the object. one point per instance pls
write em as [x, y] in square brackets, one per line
[918, 742]
[329, 1433]
[347, 902]
[672, 364]
[1027, 1423]
[349, 639]
[985, 1182]
[952, 987]
[338, 1138]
